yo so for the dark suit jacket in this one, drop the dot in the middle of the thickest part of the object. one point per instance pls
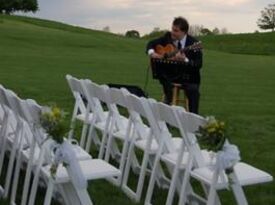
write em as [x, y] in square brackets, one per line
[195, 57]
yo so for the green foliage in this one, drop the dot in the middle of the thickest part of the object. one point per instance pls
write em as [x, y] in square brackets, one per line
[155, 34]
[11, 6]
[206, 31]
[212, 134]
[132, 34]
[52, 121]
[267, 20]
[36, 55]
[254, 44]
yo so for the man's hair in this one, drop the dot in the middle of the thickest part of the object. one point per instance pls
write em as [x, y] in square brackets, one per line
[182, 23]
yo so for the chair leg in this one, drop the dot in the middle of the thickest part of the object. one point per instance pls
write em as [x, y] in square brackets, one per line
[12, 159]
[185, 183]
[49, 193]
[35, 179]
[3, 134]
[237, 190]
[153, 176]
[105, 137]
[16, 173]
[84, 134]
[142, 176]
[108, 145]
[84, 197]
[73, 121]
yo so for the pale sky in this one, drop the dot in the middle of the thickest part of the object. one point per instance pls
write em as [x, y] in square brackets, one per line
[238, 16]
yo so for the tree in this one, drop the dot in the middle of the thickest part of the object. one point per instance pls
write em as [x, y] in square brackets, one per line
[132, 34]
[156, 33]
[106, 29]
[11, 6]
[224, 31]
[206, 31]
[267, 20]
[216, 31]
[29, 5]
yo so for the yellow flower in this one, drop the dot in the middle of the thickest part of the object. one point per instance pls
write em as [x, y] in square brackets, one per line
[56, 112]
[210, 130]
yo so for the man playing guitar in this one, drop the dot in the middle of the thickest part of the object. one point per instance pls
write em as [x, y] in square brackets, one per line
[191, 58]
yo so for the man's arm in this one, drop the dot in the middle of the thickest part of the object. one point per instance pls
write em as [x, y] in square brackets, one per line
[194, 56]
[153, 43]
[195, 60]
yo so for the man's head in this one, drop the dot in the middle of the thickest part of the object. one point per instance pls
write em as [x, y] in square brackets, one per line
[180, 28]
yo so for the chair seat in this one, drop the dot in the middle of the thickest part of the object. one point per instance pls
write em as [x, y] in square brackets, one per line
[81, 154]
[82, 116]
[121, 134]
[102, 124]
[141, 144]
[246, 174]
[92, 169]
[171, 158]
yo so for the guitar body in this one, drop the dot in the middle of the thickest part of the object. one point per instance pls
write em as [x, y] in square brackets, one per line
[169, 51]
[162, 50]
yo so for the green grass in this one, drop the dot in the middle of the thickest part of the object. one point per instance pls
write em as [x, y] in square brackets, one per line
[254, 44]
[35, 56]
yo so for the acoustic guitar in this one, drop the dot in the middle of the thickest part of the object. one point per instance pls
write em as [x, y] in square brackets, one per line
[169, 51]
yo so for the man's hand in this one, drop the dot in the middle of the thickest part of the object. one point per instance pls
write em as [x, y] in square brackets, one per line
[155, 55]
[180, 56]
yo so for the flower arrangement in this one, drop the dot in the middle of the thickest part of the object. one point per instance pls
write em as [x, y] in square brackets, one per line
[212, 134]
[212, 137]
[52, 121]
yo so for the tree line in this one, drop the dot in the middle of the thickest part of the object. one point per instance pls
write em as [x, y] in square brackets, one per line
[11, 6]
[265, 22]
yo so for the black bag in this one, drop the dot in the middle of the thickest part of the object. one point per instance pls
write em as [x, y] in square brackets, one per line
[131, 88]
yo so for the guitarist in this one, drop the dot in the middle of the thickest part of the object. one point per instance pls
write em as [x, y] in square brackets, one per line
[192, 59]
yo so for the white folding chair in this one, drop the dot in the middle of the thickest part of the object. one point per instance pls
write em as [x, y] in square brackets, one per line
[169, 151]
[97, 96]
[148, 143]
[120, 130]
[242, 175]
[82, 111]
[24, 147]
[7, 128]
[92, 169]
[11, 140]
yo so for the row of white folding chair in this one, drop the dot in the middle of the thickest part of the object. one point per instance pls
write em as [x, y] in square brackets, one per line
[126, 130]
[164, 114]
[21, 144]
[137, 195]
[10, 141]
[28, 154]
[196, 163]
[92, 168]
[94, 115]
[111, 123]
[119, 127]
[129, 131]
[243, 173]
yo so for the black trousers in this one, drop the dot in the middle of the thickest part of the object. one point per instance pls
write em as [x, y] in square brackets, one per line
[191, 90]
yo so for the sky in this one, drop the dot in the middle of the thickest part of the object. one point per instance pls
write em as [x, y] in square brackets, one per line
[237, 16]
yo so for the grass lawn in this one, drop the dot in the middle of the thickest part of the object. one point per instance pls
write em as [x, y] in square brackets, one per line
[36, 55]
